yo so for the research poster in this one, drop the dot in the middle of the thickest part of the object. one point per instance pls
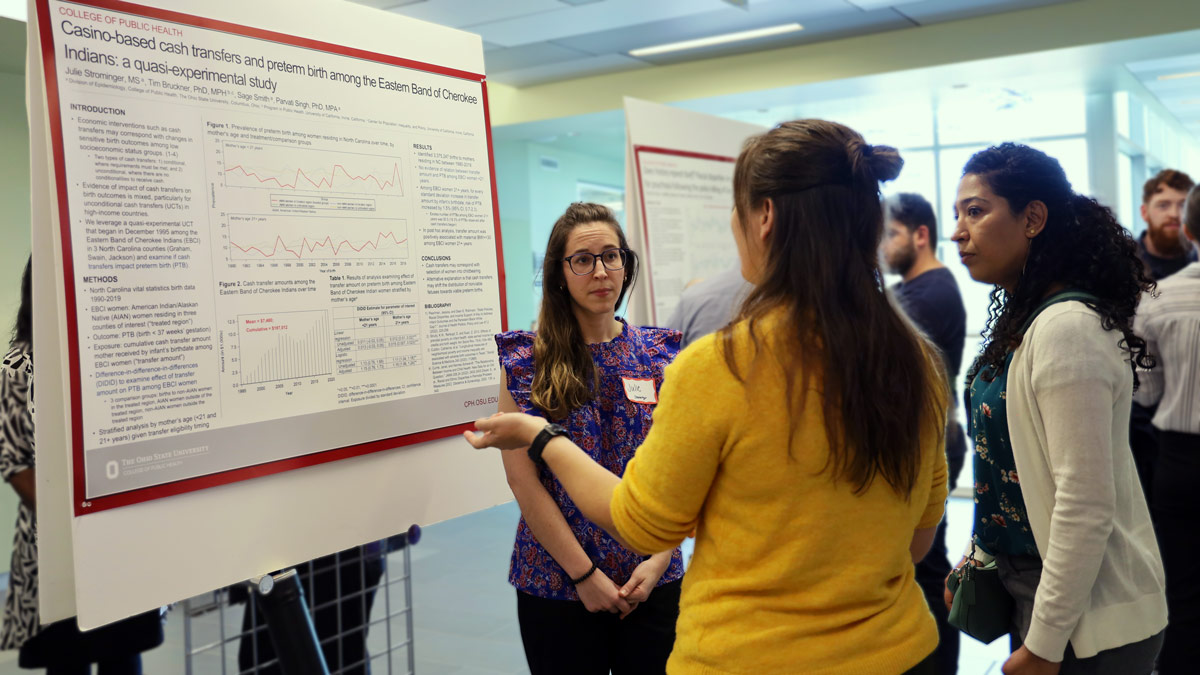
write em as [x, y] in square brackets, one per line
[686, 199]
[679, 197]
[276, 251]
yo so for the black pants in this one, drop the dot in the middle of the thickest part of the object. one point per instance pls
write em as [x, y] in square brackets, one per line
[61, 648]
[1143, 442]
[927, 666]
[127, 665]
[340, 620]
[561, 636]
[931, 572]
[1176, 517]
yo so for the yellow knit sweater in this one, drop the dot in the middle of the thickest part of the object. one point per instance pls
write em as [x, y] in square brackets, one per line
[792, 572]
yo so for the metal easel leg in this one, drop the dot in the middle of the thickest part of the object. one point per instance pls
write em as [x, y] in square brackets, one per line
[281, 600]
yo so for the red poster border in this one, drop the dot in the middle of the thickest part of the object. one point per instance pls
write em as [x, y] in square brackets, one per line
[637, 162]
[84, 506]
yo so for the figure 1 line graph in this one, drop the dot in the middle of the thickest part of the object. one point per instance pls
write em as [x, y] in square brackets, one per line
[285, 167]
[284, 346]
[290, 238]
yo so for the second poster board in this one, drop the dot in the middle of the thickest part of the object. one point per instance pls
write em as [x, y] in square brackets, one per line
[679, 197]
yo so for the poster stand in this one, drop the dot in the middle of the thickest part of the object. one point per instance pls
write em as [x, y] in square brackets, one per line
[280, 597]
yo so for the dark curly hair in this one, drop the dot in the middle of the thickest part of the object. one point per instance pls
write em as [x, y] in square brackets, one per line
[1082, 247]
[22, 332]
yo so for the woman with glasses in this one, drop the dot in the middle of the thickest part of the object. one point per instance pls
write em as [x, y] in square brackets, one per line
[585, 603]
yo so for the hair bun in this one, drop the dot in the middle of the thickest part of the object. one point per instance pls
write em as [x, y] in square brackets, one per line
[874, 162]
[885, 161]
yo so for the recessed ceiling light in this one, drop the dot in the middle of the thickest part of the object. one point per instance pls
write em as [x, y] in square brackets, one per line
[1179, 76]
[717, 39]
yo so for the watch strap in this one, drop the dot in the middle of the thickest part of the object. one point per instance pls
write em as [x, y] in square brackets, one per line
[539, 442]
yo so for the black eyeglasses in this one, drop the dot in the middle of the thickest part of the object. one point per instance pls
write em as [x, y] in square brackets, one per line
[585, 263]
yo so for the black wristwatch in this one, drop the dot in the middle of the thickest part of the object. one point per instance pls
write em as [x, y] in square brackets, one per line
[540, 441]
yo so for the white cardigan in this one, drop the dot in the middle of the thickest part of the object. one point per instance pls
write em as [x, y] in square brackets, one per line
[1069, 393]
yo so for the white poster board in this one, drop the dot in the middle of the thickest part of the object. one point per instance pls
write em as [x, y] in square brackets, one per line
[679, 195]
[277, 250]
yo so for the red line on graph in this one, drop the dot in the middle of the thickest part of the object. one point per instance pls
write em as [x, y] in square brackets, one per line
[322, 182]
[309, 247]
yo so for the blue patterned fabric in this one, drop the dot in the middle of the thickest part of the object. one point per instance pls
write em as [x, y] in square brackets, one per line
[609, 428]
[1001, 519]
[1001, 522]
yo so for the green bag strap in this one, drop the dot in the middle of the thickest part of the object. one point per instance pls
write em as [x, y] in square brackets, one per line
[1063, 296]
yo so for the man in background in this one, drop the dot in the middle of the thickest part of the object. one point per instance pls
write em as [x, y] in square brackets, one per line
[1170, 323]
[707, 305]
[929, 295]
[1163, 247]
[1164, 250]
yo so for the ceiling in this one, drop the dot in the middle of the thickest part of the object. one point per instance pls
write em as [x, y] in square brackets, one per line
[530, 42]
[1125, 65]
[1180, 95]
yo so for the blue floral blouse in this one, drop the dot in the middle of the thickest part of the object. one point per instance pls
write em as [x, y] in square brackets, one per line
[609, 428]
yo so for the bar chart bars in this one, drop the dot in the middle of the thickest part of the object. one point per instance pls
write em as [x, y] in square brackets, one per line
[284, 346]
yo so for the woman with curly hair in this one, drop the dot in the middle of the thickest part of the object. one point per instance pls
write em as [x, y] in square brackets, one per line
[1058, 504]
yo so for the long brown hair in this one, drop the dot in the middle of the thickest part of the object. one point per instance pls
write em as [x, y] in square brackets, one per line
[880, 380]
[563, 370]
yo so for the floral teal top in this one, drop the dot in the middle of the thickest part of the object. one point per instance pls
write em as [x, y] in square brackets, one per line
[1001, 525]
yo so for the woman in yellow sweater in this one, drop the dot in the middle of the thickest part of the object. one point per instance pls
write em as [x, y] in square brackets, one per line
[802, 444]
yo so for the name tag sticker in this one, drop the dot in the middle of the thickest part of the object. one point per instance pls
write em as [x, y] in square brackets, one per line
[640, 391]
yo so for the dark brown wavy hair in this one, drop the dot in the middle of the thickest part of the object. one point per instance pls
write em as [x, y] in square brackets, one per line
[22, 332]
[564, 373]
[881, 381]
[1082, 247]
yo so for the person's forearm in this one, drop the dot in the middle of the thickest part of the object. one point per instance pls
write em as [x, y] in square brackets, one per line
[550, 528]
[589, 484]
[25, 485]
[663, 560]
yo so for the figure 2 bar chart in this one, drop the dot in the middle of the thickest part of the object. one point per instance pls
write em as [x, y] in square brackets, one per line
[284, 346]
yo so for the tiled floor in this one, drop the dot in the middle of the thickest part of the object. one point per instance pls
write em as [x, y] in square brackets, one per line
[464, 610]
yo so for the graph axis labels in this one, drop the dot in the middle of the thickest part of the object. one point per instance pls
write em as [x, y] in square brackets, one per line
[258, 237]
[343, 175]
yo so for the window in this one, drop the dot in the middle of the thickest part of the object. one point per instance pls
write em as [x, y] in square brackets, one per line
[1125, 191]
[952, 161]
[1072, 154]
[918, 175]
[1003, 114]
[606, 195]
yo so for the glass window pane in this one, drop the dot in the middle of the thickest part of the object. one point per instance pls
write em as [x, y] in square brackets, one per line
[1072, 155]
[1125, 191]
[900, 124]
[917, 176]
[1121, 109]
[991, 116]
[951, 166]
